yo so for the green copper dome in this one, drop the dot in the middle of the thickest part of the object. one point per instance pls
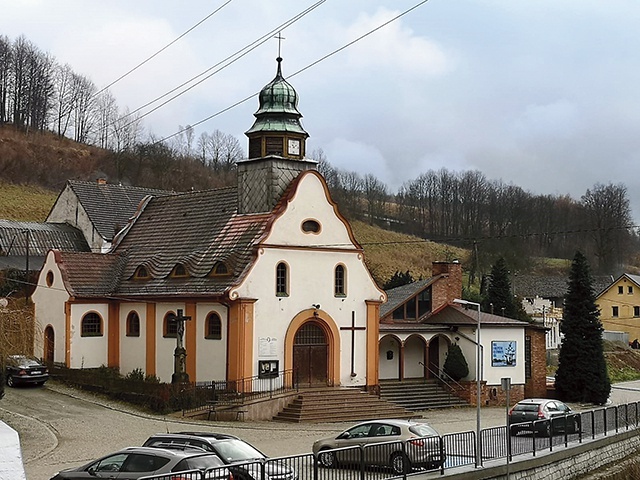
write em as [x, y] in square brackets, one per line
[278, 110]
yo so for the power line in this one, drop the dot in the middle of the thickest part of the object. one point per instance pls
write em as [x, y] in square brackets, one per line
[299, 71]
[163, 48]
[459, 239]
[231, 59]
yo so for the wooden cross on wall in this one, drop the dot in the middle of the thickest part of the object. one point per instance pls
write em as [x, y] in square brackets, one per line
[353, 329]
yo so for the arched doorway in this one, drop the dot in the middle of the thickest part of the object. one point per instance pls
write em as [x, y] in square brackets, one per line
[311, 354]
[389, 357]
[49, 344]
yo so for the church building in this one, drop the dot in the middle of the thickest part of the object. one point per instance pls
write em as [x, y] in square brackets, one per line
[265, 279]
[265, 276]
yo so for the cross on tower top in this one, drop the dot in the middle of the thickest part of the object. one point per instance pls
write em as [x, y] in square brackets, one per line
[280, 38]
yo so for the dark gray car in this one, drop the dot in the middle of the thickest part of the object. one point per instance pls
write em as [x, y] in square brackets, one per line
[546, 416]
[248, 460]
[22, 370]
[136, 462]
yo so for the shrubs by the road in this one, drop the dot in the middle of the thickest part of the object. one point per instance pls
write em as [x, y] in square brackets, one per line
[135, 387]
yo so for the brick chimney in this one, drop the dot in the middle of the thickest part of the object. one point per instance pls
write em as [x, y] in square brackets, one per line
[448, 286]
[102, 181]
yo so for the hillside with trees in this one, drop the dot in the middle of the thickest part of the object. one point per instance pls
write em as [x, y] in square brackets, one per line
[55, 124]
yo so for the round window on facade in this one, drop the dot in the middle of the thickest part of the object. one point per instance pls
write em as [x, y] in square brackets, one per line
[310, 226]
[49, 278]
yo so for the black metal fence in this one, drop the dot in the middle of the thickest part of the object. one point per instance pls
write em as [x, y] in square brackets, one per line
[238, 392]
[380, 461]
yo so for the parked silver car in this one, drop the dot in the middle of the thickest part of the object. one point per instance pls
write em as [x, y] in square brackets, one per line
[402, 445]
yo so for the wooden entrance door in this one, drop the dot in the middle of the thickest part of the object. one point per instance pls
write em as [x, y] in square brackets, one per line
[310, 354]
[49, 344]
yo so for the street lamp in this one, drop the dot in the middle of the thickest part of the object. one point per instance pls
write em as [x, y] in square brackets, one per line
[478, 378]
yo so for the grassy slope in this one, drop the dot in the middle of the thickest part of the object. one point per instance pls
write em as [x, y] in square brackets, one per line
[385, 251]
[25, 202]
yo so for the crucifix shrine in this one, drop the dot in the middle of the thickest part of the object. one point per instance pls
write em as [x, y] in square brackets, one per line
[353, 329]
[180, 374]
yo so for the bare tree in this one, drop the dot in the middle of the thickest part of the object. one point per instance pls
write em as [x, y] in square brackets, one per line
[125, 131]
[106, 113]
[84, 107]
[376, 198]
[64, 98]
[6, 54]
[608, 217]
[219, 151]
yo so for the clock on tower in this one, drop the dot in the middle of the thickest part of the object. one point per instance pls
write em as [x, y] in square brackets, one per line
[293, 146]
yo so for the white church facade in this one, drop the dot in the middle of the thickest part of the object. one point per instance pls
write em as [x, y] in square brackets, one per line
[268, 273]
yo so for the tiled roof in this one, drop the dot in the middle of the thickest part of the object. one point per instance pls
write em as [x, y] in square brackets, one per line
[90, 274]
[634, 278]
[110, 206]
[396, 296]
[454, 315]
[196, 230]
[15, 237]
[531, 286]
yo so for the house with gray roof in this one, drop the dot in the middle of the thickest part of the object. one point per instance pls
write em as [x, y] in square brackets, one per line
[24, 245]
[98, 209]
[421, 320]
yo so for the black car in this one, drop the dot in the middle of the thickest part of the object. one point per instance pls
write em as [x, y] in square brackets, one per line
[546, 416]
[136, 462]
[23, 369]
[232, 450]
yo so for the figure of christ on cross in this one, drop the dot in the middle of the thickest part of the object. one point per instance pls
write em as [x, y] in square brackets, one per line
[353, 329]
[180, 374]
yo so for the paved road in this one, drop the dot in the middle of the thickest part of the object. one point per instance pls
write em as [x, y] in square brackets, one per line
[61, 427]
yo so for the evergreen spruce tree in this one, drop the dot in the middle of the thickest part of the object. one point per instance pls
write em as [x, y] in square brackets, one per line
[455, 365]
[499, 294]
[398, 279]
[582, 370]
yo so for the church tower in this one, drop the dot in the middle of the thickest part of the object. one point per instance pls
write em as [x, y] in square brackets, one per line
[277, 146]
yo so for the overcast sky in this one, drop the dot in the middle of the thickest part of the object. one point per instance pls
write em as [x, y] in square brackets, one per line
[542, 94]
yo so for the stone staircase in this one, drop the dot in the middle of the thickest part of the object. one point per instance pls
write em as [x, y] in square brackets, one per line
[419, 394]
[339, 405]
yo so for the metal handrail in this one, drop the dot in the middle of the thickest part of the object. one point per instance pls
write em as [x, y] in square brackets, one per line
[439, 374]
[238, 392]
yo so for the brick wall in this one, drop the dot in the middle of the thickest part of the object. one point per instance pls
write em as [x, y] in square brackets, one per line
[490, 395]
[446, 289]
[536, 386]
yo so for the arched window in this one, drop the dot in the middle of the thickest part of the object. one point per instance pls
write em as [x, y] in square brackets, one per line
[213, 327]
[282, 280]
[170, 325]
[220, 268]
[141, 273]
[133, 324]
[339, 284]
[91, 325]
[179, 271]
